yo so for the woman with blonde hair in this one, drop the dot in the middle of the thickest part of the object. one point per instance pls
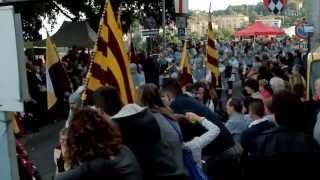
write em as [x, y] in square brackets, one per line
[60, 152]
[296, 77]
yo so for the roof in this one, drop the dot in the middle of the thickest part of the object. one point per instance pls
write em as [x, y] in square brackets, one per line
[78, 34]
[259, 29]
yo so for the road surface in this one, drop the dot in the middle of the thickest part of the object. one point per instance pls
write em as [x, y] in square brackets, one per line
[40, 147]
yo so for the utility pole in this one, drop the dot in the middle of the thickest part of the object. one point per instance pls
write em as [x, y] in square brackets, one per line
[164, 22]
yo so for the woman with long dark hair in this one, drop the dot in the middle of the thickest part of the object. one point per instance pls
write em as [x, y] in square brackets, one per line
[95, 145]
[206, 96]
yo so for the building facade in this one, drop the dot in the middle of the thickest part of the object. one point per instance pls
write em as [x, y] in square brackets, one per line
[199, 23]
[231, 21]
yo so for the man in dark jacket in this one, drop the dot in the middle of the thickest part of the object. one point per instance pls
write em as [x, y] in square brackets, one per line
[219, 151]
[257, 126]
[285, 151]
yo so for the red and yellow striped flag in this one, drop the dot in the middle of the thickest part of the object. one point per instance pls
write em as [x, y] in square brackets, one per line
[110, 66]
[212, 54]
[186, 73]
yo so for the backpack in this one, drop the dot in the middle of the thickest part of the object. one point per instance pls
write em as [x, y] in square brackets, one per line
[194, 172]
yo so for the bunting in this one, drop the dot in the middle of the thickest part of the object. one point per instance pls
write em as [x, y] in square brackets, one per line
[110, 65]
[186, 73]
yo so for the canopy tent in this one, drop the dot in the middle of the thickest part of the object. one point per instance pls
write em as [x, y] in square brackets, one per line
[70, 34]
[259, 29]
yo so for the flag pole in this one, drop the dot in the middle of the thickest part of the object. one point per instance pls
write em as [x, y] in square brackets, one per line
[206, 45]
[84, 94]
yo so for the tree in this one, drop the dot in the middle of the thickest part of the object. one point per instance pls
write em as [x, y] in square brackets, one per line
[224, 33]
[92, 11]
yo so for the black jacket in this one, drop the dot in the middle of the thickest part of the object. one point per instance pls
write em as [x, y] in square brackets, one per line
[282, 153]
[248, 136]
[123, 167]
[141, 133]
[183, 104]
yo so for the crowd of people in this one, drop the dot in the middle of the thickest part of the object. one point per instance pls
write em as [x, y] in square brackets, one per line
[75, 64]
[255, 122]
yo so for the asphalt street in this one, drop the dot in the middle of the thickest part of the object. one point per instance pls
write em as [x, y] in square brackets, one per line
[40, 147]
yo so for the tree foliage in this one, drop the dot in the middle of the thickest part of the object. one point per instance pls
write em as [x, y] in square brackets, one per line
[91, 10]
[224, 33]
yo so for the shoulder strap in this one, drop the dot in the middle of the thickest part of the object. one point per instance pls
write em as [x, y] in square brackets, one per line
[175, 127]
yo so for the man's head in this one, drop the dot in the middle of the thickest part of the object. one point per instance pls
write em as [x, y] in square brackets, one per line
[287, 109]
[169, 90]
[256, 109]
[108, 99]
[251, 86]
[234, 105]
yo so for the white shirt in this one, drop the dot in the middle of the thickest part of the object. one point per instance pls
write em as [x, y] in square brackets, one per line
[198, 143]
[258, 121]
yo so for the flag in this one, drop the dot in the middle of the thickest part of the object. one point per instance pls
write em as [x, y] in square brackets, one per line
[58, 81]
[212, 55]
[52, 58]
[275, 6]
[110, 64]
[185, 75]
[181, 6]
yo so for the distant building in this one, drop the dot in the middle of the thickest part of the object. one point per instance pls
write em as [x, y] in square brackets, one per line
[231, 21]
[199, 23]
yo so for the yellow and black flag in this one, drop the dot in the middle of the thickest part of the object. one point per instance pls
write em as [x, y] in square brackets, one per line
[58, 81]
[110, 66]
[212, 54]
[186, 73]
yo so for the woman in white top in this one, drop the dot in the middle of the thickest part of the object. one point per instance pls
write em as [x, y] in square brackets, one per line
[197, 144]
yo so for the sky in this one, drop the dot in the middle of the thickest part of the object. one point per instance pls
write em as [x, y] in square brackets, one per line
[218, 4]
[193, 5]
